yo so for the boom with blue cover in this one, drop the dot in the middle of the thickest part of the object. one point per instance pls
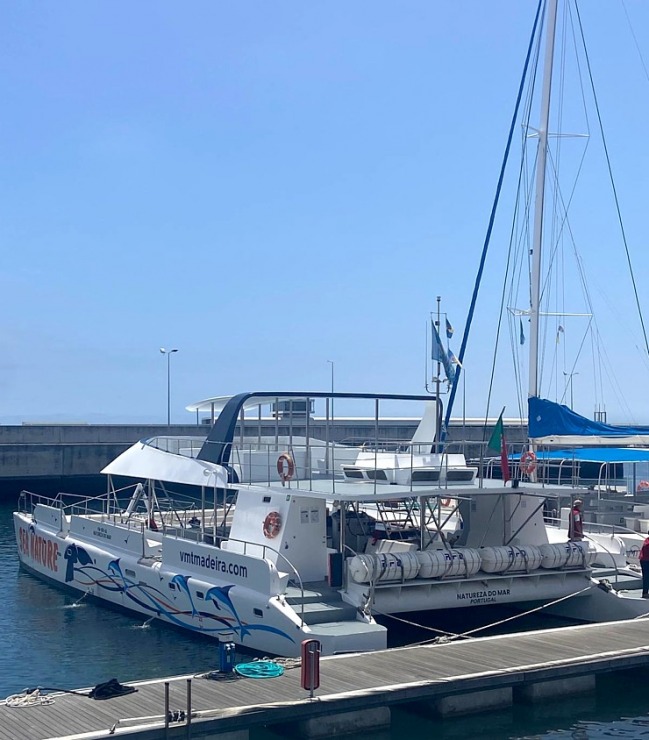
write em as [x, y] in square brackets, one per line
[554, 423]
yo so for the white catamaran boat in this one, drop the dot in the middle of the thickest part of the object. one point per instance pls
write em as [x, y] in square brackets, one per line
[307, 554]
[290, 535]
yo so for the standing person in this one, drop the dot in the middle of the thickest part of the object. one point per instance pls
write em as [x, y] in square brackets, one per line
[643, 557]
[576, 522]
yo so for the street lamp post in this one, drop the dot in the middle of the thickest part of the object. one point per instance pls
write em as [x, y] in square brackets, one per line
[168, 352]
[330, 420]
[331, 362]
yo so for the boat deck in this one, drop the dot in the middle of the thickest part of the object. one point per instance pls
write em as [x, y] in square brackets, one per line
[348, 683]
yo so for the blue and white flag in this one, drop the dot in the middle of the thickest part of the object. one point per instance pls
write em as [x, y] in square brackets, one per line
[453, 359]
[437, 352]
[449, 329]
[450, 361]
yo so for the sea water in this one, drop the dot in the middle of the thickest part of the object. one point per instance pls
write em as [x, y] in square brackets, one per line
[51, 639]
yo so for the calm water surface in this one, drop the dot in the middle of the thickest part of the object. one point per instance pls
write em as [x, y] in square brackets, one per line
[46, 640]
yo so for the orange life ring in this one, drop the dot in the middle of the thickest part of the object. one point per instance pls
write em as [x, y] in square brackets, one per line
[445, 501]
[272, 524]
[285, 466]
[528, 462]
[643, 485]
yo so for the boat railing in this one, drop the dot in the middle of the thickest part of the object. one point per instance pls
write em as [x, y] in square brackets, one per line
[187, 446]
[265, 548]
[304, 464]
[66, 502]
[609, 553]
[549, 467]
[612, 529]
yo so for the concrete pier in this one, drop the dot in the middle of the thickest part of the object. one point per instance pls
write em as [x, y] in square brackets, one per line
[340, 723]
[357, 692]
[532, 693]
[470, 703]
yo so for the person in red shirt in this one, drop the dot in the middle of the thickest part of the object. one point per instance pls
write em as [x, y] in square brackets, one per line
[576, 522]
[643, 557]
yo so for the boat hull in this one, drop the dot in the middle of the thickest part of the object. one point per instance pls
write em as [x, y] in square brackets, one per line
[254, 617]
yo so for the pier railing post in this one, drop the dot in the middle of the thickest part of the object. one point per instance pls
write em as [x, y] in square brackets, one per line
[189, 708]
[166, 709]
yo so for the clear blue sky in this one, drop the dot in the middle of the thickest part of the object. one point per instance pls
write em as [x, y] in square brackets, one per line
[267, 186]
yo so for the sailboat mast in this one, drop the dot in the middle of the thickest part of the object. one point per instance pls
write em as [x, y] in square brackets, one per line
[535, 296]
[439, 364]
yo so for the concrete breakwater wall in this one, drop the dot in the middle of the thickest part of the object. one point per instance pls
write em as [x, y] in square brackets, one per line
[46, 458]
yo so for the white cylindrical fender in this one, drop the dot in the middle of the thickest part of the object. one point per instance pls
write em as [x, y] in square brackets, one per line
[384, 566]
[510, 559]
[567, 555]
[441, 563]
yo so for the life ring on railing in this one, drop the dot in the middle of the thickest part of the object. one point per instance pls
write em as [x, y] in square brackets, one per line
[643, 485]
[285, 466]
[272, 524]
[528, 462]
[445, 502]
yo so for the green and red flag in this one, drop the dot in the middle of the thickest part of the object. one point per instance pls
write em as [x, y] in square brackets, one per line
[497, 442]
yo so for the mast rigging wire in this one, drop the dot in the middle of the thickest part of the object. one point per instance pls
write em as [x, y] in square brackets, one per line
[492, 217]
[610, 174]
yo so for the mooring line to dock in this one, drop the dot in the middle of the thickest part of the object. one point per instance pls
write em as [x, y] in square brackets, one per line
[443, 636]
[441, 633]
[76, 603]
[525, 614]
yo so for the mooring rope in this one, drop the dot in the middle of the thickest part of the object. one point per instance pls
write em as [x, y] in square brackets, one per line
[285, 663]
[470, 633]
[410, 623]
[28, 698]
[444, 636]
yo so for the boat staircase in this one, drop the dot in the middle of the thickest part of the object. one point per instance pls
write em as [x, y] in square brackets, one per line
[322, 608]
[320, 603]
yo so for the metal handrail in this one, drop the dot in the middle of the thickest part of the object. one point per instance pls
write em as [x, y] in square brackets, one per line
[617, 573]
[286, 560]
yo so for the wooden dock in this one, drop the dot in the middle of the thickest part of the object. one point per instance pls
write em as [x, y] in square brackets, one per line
[487, 672]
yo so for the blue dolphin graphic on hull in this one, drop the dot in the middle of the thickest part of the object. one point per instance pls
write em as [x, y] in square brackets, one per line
[75, 554]
[182, 582]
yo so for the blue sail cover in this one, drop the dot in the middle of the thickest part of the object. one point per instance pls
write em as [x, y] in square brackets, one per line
[558, 424]
[600, 455]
